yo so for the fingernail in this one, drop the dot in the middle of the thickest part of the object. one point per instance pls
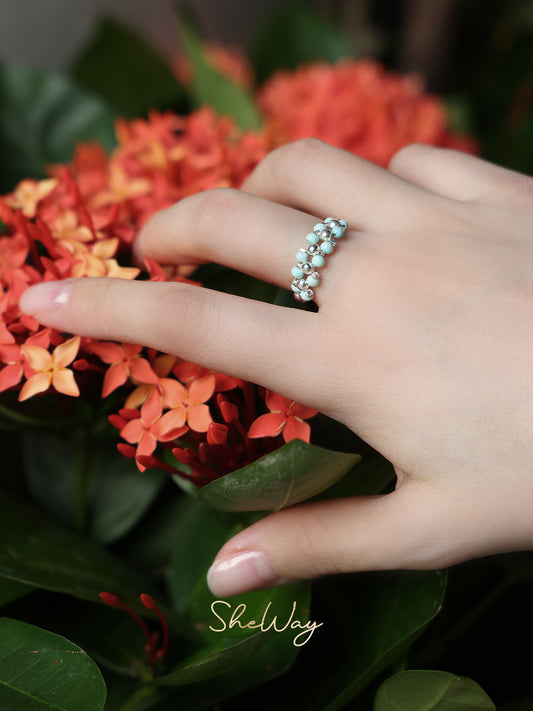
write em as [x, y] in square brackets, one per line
[46, 298]
[242, 572]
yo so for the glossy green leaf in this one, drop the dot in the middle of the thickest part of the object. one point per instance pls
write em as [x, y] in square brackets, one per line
[415, 690]
[370, 621]
[36, 550]
[202, 534]
[117, 493]
[215, 660]
[391, 611]
[209, 87]
[291, 474]
[295, 35]
[42, 117]
[41, 671]
[119, 66]
[220, 655]
[373, 475]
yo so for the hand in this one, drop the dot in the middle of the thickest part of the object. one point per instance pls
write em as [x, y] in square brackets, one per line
[423, 345]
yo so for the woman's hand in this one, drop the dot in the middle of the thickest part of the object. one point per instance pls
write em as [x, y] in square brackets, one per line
[423, 345]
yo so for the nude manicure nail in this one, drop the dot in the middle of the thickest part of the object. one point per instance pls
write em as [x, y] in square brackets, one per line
[46, 298]
[242, 572]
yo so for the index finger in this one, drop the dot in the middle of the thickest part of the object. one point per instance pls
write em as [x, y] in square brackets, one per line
[220, 331]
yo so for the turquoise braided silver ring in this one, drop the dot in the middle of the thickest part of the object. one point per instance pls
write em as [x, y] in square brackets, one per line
[320, 243]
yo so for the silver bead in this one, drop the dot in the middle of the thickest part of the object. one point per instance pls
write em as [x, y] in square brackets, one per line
[312, 249]
[314, 275]
[333, 223]
[324, 234]
[298, 296]
[308, 268]
[301, 284]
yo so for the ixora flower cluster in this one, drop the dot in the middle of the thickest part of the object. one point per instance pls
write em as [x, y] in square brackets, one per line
[81, 222]
[358, 106]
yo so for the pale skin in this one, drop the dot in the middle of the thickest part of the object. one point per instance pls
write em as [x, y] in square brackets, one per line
[422, 345]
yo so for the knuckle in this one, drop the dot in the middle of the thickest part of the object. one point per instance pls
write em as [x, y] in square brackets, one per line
[408, 154]
[210, 211]
[280, 161]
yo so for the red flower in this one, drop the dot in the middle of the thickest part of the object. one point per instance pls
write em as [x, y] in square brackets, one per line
[147, 429]
[126, 362]
[285, 416]
[357, 105]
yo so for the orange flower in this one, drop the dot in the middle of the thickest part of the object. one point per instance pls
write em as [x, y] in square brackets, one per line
[188, 404]
[50, 369]
[161, 366]
[121, 187]
[357, 105]
[285, 416]
[126, 362]
[29, 193]
[143, 431]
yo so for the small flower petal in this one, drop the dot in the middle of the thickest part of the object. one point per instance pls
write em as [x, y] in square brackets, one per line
[296, 429]
[64, 382]
[269, 425]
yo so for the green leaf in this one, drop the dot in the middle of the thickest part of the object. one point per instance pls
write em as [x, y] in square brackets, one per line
[370, 621]
[415, 690]
[214, 660]
[202, 534]
[42, 117]
[295, 35]
[36, 550]
[119, 66]
[108, 635]
[209, 87]
[390, 611]
[374, 475]
[291, 474]
[233, 669]
[41, 671]
[118, 493]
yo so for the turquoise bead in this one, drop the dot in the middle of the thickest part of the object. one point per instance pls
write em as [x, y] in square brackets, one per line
[295, 288]
[301, 256]
[307, 295]
[318, 260]
[312, 238]
[344, 224]
[337, 232]
[328, 219]
[297, 272]
[327, 247]
[319, 226]
[312, 281]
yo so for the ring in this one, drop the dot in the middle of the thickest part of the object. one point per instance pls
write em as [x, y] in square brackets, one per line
[320, 243]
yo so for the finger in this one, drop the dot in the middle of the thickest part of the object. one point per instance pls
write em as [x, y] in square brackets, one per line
[219, 331]
[451, 173]
[415, 527]
[232, 228]
[317, 178]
